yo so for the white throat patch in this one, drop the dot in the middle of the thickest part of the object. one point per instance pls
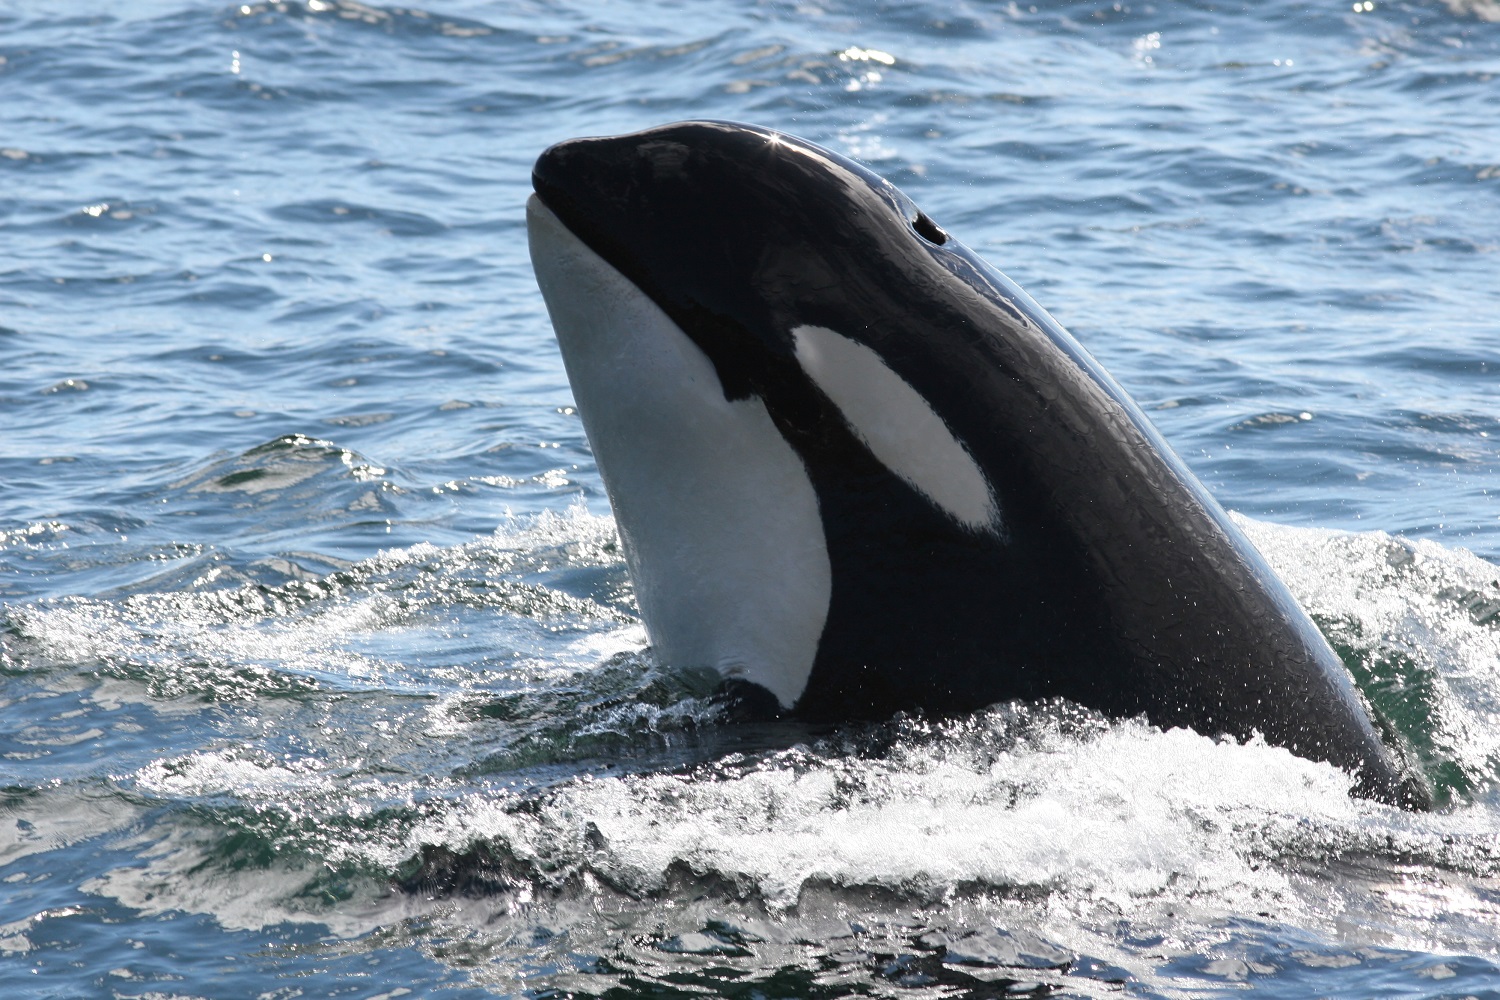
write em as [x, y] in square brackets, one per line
[717, 514]
[898, 425]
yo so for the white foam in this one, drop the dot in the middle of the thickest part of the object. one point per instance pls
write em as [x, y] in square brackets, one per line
[243, 641]
[1134, 813]
[1413, 601]
[234, 772]
[1076, 829]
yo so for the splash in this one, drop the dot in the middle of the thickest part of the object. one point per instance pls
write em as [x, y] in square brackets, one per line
[525, 792]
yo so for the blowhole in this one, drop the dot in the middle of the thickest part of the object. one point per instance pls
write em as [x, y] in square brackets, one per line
[929, 230]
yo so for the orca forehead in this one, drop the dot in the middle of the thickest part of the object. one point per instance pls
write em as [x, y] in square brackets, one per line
[741, 234]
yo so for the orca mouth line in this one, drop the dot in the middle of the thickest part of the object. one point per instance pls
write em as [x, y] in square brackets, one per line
[856, 467]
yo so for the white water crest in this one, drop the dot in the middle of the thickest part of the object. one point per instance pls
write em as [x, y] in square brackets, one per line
[1046, 820]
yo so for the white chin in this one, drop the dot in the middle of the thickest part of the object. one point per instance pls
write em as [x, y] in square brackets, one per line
[716, 512]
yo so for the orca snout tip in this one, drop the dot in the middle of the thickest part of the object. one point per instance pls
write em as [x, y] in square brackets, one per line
[547, 171]
[570, 163]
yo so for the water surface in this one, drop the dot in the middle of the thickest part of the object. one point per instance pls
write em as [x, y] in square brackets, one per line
[319, 666]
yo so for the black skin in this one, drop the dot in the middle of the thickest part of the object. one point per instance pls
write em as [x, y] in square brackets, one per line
[1117, 581]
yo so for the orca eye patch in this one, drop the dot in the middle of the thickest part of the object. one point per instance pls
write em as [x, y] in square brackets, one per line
[929, 230]
[900, 428]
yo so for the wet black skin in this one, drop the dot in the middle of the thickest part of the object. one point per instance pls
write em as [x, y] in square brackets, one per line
[1117, 581]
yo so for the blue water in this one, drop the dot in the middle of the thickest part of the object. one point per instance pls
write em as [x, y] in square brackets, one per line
[319, 669]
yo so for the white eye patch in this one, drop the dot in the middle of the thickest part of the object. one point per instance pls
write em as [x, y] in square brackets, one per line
[898, 425]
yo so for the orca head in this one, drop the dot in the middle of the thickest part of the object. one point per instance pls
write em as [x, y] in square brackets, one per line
[762, 361]
[856, 470]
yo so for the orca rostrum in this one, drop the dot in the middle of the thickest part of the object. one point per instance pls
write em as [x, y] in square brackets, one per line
[857, 470]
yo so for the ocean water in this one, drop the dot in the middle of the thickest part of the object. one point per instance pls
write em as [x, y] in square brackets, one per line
[319, 667]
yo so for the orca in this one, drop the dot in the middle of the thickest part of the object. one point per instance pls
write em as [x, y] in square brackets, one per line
[856, 470]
